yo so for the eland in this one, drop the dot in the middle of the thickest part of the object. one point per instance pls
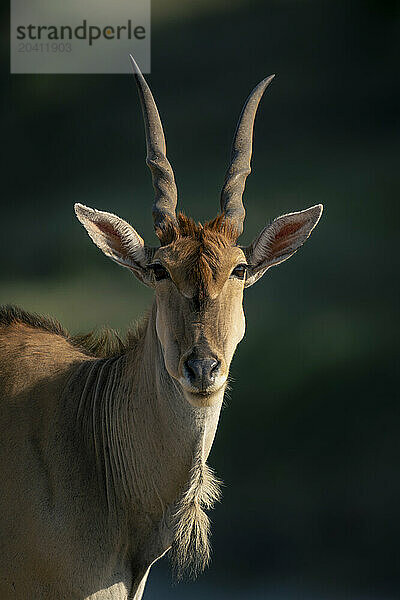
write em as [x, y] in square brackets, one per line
[104, 443]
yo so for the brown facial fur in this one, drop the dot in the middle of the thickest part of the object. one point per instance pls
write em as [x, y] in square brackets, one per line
[199, 310]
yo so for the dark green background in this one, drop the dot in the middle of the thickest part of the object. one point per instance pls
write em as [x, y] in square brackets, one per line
[308, 445]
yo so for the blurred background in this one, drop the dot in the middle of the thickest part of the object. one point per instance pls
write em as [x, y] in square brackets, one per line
[308, 444]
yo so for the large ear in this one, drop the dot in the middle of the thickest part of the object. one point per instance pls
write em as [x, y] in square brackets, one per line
[117, 239]
[279, 241]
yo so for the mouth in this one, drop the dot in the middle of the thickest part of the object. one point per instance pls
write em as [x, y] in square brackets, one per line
[202, 398]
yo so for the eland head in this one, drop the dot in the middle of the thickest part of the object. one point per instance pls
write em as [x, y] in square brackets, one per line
[199, 271]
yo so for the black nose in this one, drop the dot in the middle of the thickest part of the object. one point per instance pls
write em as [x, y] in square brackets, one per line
[202, 371]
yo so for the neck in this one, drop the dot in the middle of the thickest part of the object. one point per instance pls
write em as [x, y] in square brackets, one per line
[151, 445]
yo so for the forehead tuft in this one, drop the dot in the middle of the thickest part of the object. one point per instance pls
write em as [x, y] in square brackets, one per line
[186, 227]
[200, 256]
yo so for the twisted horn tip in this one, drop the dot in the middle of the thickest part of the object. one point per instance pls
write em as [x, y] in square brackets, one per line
[135, 66]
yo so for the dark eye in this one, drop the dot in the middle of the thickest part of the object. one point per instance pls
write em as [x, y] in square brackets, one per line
[239, 271]
[159, 271]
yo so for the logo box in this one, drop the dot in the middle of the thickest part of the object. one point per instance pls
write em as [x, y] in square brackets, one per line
[79, 36]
